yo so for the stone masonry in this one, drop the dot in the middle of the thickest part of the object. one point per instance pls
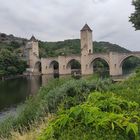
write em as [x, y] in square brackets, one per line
[86, 58]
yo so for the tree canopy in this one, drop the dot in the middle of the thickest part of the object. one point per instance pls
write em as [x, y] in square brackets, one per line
[10, 64]
[135, 17]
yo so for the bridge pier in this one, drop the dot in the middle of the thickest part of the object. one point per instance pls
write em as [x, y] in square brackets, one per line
[47, 68]
[86, 68]
[63, 69]
[114, 65]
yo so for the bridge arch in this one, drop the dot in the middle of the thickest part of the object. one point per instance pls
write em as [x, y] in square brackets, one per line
[54, 68]
[129, 63]
[127, 57]
[37, 68]
[100, 65]
[98, 58]
[54, 64]
[74, 65]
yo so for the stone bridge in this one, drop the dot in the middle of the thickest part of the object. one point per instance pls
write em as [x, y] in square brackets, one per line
[62, 64]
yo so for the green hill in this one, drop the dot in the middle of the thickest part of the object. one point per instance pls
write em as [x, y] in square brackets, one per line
[107, 47]
[10, 41]
[50, 49]
[68, 47]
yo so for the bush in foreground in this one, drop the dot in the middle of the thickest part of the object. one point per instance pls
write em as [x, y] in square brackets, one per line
[68, 92]
[101, 117]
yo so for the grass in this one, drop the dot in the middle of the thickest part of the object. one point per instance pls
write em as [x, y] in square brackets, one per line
[34, 131]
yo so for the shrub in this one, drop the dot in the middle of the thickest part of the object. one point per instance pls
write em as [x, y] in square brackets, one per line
[66, 92]
[71, 93]
[31, 111]
[129, 89]
[90, 121]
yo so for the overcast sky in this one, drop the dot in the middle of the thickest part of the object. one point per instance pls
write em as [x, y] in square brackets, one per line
[55, 20]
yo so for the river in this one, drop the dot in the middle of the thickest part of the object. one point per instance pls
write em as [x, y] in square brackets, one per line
[16, 91]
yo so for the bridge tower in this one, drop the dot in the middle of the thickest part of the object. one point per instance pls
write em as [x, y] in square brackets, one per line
[86, 40]
[86, 49]
[32, 53]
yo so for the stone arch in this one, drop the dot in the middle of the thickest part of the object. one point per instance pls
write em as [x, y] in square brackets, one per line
[37, 67]
[124, 63]
[127, 57]
[69, 64]
[98, 58]
[74, 65]
[100, 65]
[54, 64]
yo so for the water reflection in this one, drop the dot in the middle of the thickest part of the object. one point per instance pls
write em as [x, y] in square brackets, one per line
[15, 91]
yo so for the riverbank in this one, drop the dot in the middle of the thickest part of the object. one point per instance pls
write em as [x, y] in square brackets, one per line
[37, 106]
[60, 96]
[11, 77]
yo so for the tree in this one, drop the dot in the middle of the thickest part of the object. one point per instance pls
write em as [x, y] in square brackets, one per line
[135, 17]
[10, 63]
[15, 44]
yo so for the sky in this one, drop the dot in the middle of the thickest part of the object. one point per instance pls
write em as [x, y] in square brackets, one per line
[56, 20]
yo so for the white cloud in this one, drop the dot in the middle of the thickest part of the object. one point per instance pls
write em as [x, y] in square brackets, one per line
[60, 19]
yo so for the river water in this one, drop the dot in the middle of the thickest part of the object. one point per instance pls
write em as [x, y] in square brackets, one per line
[16, 91]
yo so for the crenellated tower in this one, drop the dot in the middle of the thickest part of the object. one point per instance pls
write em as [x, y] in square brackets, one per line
[86, 49]
[32, 52]
[86, 41]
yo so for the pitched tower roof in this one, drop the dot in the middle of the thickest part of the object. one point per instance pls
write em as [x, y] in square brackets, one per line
[33, 39]
[86, 27]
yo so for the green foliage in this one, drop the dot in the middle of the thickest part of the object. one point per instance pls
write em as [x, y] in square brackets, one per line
[129, 89]
[112, 113]
[109, 102]
[130, 65]
[101, 68]
[103, 116]
[6, 126]
[135, 17]
[53, 49]
[75, 64]
[104, 47]
[29, 112]
[10, 64]
[15, 44]
[71, 93]
[64, 92]
[103, 85]
[68, 47]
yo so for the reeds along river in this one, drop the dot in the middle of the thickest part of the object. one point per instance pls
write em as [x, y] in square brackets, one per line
[15, 91]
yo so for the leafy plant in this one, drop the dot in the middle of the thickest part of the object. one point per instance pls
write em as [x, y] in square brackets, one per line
[91, 121]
